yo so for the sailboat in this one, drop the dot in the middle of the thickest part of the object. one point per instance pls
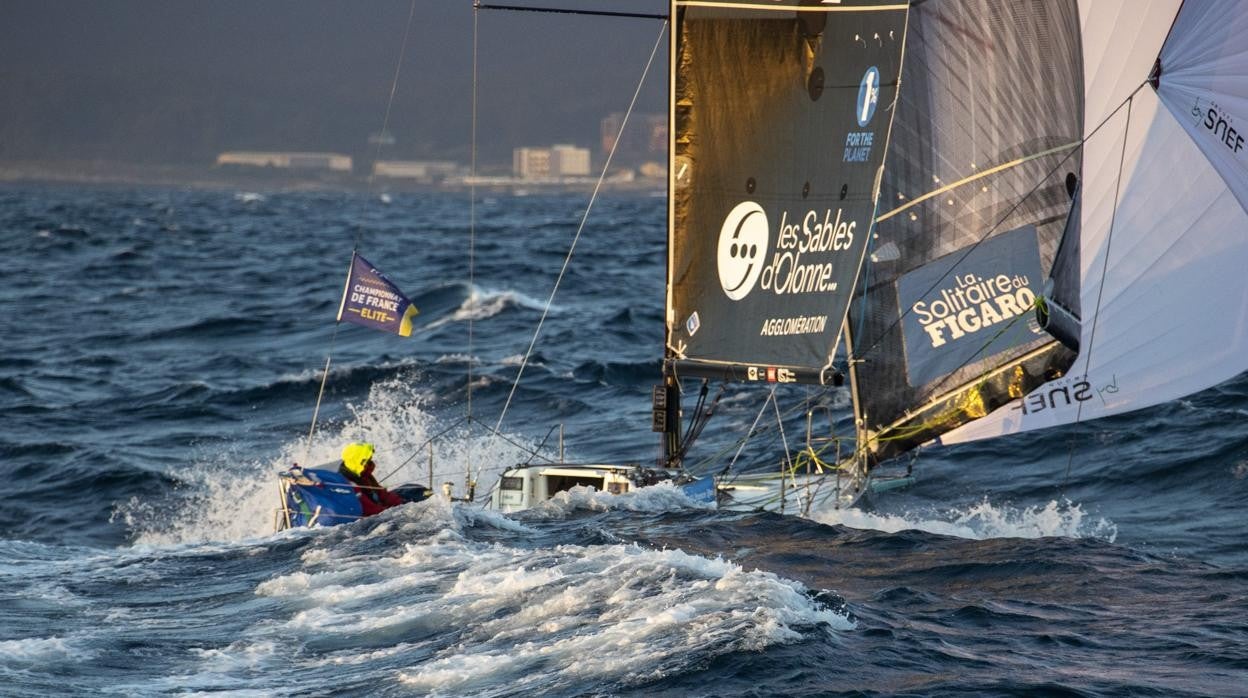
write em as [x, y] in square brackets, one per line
[982, 218]
[1008, 216]
[779, 116]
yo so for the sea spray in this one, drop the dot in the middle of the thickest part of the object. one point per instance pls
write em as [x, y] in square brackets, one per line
[226, 498]
[982, 521]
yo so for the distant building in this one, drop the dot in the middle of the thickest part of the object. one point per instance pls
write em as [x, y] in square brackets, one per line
[569, 161]
[422, 171]
[556, 161]
[333, 162]
[653, 170]
[530, 163]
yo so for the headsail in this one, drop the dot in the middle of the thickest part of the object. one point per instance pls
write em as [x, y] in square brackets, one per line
[976, 195]
[1164, 239]
[781, 112]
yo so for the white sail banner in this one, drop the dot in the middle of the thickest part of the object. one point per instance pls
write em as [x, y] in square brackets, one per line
[1164, 245]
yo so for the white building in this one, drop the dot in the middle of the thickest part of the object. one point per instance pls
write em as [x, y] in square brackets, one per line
[530, 163]
[569, 161]
[424, 171]
[286, 160]
[556, 161]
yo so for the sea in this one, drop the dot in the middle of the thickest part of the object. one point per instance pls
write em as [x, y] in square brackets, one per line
[162, 357]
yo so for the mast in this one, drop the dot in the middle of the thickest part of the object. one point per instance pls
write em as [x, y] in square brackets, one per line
[666, 397]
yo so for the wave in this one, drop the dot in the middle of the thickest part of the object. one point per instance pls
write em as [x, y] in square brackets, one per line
[661, 498]
[14, 386]
[482, 304]
[230, 497]
[210, 328]
[38, 651]
[982, 521]
[624, 373]
[549, 619]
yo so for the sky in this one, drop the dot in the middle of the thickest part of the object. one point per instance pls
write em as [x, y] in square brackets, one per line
[178, 81]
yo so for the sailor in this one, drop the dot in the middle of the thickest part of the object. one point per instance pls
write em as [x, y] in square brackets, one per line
[357, 466]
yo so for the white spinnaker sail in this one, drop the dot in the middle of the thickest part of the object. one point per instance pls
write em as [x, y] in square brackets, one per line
[1206, 68]
[1164, 246]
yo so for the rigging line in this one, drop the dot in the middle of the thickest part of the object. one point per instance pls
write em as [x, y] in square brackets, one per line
[566, 11]
[307, 449]
[416, 451]
[784, 440]
[359, 231]
[472, 227]
[385, 120]
[741, 442]
[533, 452]
[527, 449]
[584, 217]
[1096, 313]
[1003, 219]
[329, 354]
[771, 396]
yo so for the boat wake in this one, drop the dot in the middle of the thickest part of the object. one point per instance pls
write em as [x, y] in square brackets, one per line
[524, 619]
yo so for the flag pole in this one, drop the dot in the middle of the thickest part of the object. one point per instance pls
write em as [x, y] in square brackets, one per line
[307, 450]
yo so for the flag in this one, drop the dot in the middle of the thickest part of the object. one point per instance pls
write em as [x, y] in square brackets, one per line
[372, 300]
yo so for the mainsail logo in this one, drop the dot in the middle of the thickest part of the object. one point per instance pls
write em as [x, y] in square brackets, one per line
[868, 95]
[804, 258]
[743, 243]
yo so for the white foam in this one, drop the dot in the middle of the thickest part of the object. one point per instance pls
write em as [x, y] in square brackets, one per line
[40, 650]
[533, 619]
[235, 499]
[982, 521]
[483, 303]
[658, 498]
[537, 620]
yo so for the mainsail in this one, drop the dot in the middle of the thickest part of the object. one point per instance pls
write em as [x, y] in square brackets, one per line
[1047, 200]
[780, 121]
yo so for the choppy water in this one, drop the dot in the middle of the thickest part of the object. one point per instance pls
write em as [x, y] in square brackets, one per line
[160, 362]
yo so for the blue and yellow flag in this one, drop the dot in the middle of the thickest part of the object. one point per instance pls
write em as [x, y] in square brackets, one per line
[371, 300]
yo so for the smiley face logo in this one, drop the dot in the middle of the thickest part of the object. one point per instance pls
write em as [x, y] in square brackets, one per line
[743, 243]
